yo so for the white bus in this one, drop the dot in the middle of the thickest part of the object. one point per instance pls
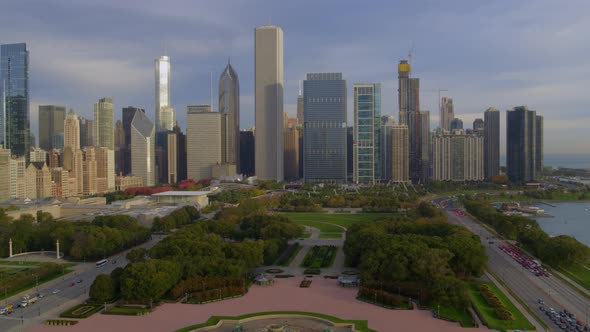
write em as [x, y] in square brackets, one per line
[101, 262]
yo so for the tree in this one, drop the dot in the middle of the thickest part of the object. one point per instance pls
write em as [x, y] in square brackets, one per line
[149, 280]
[102, 289]
[137, 255]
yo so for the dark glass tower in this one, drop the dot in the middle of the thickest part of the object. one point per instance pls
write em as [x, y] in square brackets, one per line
[15, 122]
[324, 133]
[522, 153]
[229, 107]
[247, 150]
[491, 143]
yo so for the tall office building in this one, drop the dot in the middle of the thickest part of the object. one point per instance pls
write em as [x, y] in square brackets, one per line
[86, 132]
[409, 114]
[367, 123]
[291, 153]
[478, 127]
[539, 164]
[88, 171]
[127, 118]
[447, 112]
[400, 163]
[104, 134]
[455, 124]
[521, 144]
[324, 133]
[203, 141]
[268, 102]
[491, 142]
[247, 147]
[142, 147]
[5, 175]
[105, 169]
[426, 142]
[72, 130]
[457, 157]
[387, 123]
[120, 148]
[300, 118]
[229, 107]
[176, 155]
[15, 132]
[164, 122]
[51, 124]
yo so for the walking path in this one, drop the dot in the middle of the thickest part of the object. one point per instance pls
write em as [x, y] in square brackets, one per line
[578, 287]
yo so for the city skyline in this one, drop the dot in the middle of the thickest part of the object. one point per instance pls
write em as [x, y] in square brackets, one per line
[477, 77]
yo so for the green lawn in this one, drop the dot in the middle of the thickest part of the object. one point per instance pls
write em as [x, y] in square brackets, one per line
[330, 236]
[16, 263]
[305, 235]
[455, 314]
[329, 228]
[359, 325]
[341, 219]
[579, 274]
[12, 292]
[487, 311]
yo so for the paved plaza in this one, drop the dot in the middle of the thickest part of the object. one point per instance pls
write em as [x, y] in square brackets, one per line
[324, 296]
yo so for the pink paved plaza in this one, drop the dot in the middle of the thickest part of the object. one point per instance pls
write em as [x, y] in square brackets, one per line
[324, 296]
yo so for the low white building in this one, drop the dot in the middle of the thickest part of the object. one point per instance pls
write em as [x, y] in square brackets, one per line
[179, 197]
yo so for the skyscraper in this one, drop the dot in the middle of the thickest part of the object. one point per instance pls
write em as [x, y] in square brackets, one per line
[426, 145]
[324, 150]
[128, 114]
[143, 161]
[247, 147]
[268, 102]
[229, 107]
[105, 170]
[447, 112]
[203, 141]
[300, 118]
[86, 132]
[400, 163]
[457, 157]
[120, 148]
[176, 155]
[15, 117]
[72, 131]
[409, 114]
[367, 125]
[521, 144]
[51, 124]
[491, 142]
[291, 154]
[387, 122]
[478, 127]
[103, 123]
[539, 146]
[89, 171]
[165, 121]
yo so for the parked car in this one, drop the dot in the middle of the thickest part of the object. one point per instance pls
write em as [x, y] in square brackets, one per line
[55, 291]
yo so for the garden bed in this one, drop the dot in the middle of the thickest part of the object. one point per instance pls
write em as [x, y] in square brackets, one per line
[319, 257]
[128, 310]
[81, 311]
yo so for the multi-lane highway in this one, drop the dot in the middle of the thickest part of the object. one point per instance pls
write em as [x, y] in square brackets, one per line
[61, 293]
[527, 286]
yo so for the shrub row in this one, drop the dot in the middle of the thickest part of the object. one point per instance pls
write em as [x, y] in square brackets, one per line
[320, 256]
[285, 258]
[199, 284]
[216, 294]
[61, 322]
[495, 302]
[380, 297]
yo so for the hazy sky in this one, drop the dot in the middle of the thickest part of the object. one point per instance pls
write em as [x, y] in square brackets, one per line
[492, 53]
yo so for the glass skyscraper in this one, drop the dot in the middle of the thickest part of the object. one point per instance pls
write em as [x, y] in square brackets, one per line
[367, 128]
[14, 116]
[165, 114]
[229, 107]
[324, 140]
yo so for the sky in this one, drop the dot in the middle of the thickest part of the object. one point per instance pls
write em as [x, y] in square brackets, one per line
[498, 54]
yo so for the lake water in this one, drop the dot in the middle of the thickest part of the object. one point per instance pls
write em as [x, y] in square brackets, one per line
[568, 219]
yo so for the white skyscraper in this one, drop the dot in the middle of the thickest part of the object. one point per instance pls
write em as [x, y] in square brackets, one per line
[268, 102]
[164, 122]
[143, 161]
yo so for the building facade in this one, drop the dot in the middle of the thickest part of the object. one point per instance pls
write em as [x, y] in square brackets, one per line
[247, 147]
[86, 132]
[478, 127]
[491, 143]
[142, 147]
[324, 128]
[229, 107]
[367, 127]
[165, 114]
[447, 112]
[521, 144]
[400, 164]
[457, 157]
[104, 134]
[51, 124]
[127, 117]
[455, 124]
[203, 141]
[291, 153]
[268, 102]
[15, 132]
[105, 169]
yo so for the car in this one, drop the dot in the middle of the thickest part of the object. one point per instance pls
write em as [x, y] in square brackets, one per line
[542, 308]
[541, 301]
[40, 295]
[72, 284]
[55, 291]
[80, 281]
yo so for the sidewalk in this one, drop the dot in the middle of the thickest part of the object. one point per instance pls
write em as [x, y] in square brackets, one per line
[517, 304]
[572, 283]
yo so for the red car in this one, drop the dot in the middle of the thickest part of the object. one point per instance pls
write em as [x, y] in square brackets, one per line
[72, 284]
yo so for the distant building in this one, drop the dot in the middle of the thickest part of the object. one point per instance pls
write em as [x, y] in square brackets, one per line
[176, 154]
[51, 124]
[37, 155]
[387, 121]
[54, 158]
[324, 133]
[125, 182]
[203, 136]
[247, 152]
[128, 114]
[268, 100]
[182, 197]
[457, 157]
[103, 123]
[59, 182]
[291, 146]
[478, 127]
[229, 107]
[367, 126]
[15, 132]
[88, 171]
[447, 113]
[455, 124]
[105, 169]
[143, 161]
[120, 147]
[86, 132]
[491, 143]
[38, 180]
[399, 145]
[5, 174]
[523, 155]
[165, 115]
[426, 142]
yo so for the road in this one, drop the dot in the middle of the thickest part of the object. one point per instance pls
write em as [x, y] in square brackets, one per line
[51, 305]
[528, 287]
